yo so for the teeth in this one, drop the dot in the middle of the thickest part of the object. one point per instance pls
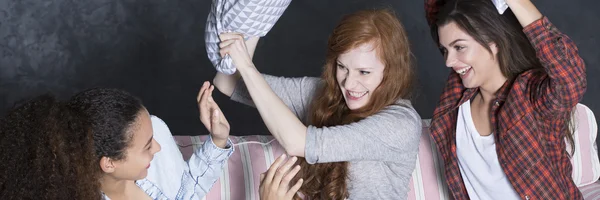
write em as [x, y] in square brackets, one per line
[463, 71]
[357, 94]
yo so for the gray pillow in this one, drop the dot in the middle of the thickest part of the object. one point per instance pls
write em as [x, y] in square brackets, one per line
[249, 17]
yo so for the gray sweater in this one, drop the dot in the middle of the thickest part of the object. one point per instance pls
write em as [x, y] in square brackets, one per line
[381, 149]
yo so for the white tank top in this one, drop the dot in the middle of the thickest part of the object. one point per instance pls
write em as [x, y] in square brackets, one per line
[478, 162]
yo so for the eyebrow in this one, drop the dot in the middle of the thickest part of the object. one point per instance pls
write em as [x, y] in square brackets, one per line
[361, 68]
[149, 141]
[455, 41]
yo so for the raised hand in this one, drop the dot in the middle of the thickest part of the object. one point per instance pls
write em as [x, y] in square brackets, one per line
[211, 116]
[233, 44]
[275, 185]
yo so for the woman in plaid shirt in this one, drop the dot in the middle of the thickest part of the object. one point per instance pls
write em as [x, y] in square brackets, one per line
[503, 117]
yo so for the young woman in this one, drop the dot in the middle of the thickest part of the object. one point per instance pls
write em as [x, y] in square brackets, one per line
[354, 126]
[504, 115]
[125, 145]
[47, 152]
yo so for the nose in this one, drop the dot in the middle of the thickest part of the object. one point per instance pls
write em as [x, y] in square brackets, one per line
[451, 59]
[158, 147]
[350, 80]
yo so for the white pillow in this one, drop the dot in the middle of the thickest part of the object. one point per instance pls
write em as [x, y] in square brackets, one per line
[249, 17]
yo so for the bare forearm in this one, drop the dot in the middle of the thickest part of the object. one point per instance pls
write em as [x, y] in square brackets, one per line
[226, 83]
[279, 119]
[525, 11]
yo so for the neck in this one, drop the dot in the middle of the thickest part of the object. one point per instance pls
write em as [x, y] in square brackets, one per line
[488, 91]
[113, 187]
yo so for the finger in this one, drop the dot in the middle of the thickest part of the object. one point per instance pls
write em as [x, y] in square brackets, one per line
[214, 120]
[283, 170]
[230, 36]
[262, 183]
[205, 111]
[273, 169]
[224, 51]
[290, 193]
[210, 92]
[226, 43]
[289, 176]
[202, 89]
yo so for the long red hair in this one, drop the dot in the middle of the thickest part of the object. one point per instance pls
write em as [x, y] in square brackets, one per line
[381, 28]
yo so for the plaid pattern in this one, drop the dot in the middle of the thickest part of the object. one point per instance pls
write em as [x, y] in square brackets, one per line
[527, 117]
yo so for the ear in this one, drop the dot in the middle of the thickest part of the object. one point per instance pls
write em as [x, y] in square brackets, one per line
[107, 164]
[494, 49]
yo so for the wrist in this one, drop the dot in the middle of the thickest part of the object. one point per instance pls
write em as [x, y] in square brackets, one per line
[220, 142]
[525, 11]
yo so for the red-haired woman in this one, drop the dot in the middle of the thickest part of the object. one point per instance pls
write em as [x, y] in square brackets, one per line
[354, 126]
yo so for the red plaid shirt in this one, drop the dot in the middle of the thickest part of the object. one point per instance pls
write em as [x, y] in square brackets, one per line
[529, 141]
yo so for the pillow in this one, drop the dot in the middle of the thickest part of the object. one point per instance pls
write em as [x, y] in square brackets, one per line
[249, 17]
[586, 166]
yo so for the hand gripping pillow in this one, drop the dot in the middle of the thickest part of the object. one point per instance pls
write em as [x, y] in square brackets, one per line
[249, 17]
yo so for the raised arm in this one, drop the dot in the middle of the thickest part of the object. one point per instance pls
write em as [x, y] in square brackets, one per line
[226, 83]
[170, 174]
[559, 56]
[283, 124]
[390, 135]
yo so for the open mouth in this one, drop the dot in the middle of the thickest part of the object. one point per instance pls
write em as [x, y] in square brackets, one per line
[356, 95]
[463, 71]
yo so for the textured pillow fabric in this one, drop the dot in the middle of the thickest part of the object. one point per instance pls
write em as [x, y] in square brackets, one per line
[249, 17]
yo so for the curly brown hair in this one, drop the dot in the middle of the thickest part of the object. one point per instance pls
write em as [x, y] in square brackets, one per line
[47, 152]
[380, 26]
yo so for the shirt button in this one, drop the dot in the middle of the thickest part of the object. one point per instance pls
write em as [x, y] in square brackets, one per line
[497, 103]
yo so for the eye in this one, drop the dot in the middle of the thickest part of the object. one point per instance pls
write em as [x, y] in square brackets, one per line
[340, 66]
[364, 72]
[458, 48]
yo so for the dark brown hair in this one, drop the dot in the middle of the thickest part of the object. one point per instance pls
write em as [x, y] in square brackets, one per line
[112, 112]
[481, 20]
[47, 152]
[381, 28]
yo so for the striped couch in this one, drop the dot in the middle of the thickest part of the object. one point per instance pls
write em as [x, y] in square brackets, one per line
[254, 154]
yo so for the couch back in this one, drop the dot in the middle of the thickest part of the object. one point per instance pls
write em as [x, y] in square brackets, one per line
[254, 154]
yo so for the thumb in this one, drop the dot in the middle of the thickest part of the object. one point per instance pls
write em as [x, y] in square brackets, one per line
[214, 119]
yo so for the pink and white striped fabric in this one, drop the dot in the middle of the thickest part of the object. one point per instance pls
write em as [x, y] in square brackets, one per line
[254, 154]
[586, 166]
[591, 191]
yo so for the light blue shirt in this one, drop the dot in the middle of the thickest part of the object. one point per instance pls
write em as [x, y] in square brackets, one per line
[171, 177]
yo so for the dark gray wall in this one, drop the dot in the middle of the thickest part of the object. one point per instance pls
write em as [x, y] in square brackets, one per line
[155, 50]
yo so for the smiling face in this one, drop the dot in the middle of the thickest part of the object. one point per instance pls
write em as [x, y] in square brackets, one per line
[476, 66]
[139, 152]
[359, 72]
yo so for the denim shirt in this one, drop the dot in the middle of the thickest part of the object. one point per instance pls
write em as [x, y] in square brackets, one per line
[170, 177]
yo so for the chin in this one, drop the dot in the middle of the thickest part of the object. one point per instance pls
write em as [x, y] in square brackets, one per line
[470, 85]
[355, 107]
